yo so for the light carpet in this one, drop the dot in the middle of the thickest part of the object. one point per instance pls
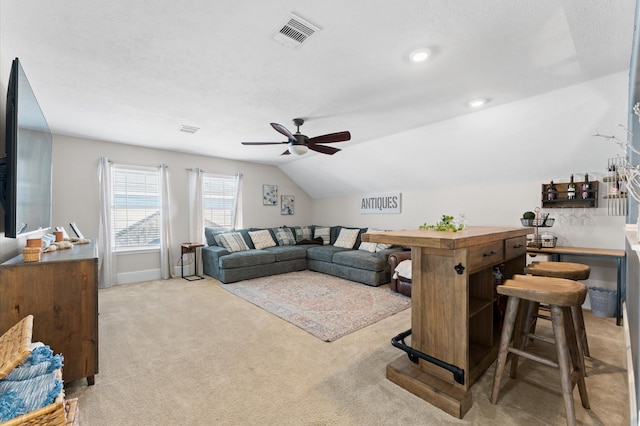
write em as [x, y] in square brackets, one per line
[327, 307]
[174, 352]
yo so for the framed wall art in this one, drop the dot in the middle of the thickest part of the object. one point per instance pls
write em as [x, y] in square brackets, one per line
[287, 204]
[270, 195]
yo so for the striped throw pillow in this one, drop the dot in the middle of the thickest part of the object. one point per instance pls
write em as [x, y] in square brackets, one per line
[324, 233]
[284, 236]
[302, 233]
[232, 242]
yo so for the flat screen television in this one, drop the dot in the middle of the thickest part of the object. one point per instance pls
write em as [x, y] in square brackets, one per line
[25, 178]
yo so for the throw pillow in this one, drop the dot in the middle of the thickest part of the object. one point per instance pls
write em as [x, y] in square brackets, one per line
[262, 239]
[403, 269]
[284, 236]
[232, 242]
[370, 247]
[382, 246]
[302, 233]
[322, 233]
[347, 238]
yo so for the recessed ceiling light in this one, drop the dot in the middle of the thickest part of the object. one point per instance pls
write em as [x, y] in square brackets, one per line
[476, 103]
[188, 129]
[420, 55]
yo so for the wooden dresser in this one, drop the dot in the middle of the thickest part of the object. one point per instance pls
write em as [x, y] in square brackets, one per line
[61, 292]
[453, 303]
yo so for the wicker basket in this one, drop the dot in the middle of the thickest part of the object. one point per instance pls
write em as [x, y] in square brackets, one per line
[51, 415]
[15, 347]
[542, 242]
[542, 223]
[31, 254]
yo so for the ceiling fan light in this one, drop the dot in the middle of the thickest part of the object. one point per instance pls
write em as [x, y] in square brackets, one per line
[298, 149]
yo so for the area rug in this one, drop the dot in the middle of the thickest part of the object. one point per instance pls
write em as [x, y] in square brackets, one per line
[325, 306]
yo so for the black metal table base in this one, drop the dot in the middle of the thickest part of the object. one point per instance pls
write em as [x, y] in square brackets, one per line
[186, 250]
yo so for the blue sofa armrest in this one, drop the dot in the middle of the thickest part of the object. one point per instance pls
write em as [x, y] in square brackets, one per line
[210, 260]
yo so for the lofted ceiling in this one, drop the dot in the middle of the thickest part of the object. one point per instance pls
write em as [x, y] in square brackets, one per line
[134, 71]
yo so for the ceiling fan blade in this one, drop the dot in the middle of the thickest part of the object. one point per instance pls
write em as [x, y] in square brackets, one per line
[280, 128]
[331, 137]
[263, 143]
[324, 149]
[286, 153]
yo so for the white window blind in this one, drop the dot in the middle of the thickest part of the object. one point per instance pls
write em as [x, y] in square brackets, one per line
[219, 193]
[135, 206]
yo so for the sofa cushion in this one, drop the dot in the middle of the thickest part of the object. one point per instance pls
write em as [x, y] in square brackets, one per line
[359, 259]
[246, 258]
[370, 247]
[232, 241]
[262, 239]
[303, 233]
[347, 238]
[383, 246]
[324, 233]
[335, 232]
[284, 236]
[288, 252]
[323, 253]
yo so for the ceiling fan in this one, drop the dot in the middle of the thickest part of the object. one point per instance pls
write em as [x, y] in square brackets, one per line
[299, 143]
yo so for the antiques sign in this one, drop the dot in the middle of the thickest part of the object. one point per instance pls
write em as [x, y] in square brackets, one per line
[380, 203]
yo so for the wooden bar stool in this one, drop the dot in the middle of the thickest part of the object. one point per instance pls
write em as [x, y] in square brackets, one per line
[560, 295]
[570, 271]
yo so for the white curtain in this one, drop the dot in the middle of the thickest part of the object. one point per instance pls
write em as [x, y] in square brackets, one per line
[237, 208]
[196, 214]
[106, 258]
[165, 225]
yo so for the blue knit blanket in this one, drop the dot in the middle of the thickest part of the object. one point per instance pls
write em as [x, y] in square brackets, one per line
[31, 385]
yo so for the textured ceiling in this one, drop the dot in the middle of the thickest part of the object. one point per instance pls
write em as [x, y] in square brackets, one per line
[134, 71]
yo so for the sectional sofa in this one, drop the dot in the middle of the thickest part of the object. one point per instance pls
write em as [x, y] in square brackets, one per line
[241, 254]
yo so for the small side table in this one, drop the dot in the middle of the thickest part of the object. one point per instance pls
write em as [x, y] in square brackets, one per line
[190, 248]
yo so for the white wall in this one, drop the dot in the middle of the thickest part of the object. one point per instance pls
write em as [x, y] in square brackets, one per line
[75, 192]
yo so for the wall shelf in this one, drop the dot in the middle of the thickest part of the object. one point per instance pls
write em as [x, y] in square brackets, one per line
[562, 195]
[616, 194]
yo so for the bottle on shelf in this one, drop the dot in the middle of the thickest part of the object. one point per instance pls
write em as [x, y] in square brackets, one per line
[615, 184]
[585, 187]
[551, 191]
[571, 189]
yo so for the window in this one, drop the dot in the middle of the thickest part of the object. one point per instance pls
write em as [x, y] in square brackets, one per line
[219, 199]
[135, 201]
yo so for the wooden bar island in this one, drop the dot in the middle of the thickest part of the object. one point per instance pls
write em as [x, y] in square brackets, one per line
[453, 301]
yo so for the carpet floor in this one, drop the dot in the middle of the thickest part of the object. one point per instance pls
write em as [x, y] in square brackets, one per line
[190, 353]
[327, 307]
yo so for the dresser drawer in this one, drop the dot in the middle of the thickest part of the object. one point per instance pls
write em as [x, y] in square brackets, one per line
[486, 254]
[514, 247]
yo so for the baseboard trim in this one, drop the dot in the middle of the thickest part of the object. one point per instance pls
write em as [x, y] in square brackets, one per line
[139, 276]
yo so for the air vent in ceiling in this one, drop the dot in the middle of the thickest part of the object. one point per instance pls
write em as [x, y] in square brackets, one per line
[189, 129]
[295, 31]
